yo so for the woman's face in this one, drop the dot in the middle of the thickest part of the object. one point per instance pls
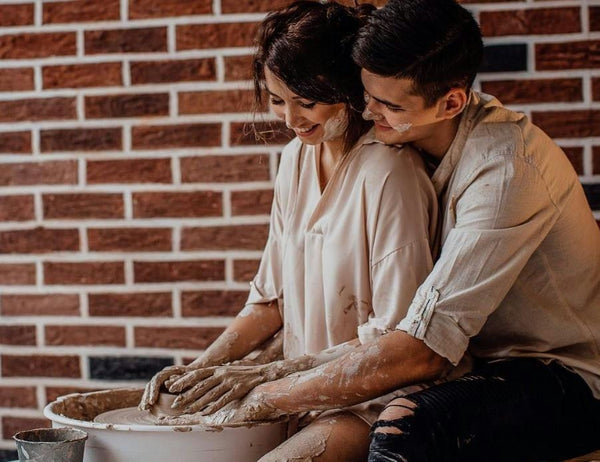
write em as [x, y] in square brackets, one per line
[312, 122]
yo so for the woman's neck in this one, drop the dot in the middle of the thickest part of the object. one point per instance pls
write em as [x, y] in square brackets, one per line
[331, 153]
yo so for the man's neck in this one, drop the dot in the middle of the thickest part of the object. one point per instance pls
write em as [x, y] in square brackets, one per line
[437, 144]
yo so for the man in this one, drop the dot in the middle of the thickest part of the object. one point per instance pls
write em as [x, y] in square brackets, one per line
[517, 282]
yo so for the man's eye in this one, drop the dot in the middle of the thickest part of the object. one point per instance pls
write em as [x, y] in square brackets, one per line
[308, 105]
[395, 109]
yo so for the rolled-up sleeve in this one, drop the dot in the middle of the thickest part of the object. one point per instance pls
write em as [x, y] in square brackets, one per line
[502, 214]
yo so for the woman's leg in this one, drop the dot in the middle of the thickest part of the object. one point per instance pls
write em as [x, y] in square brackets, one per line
[514, 410]
[334, 437]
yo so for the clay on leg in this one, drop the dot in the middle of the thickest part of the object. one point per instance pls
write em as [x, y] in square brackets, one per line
[335, 437]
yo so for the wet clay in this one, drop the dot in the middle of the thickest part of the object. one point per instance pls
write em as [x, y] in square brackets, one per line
[302, 448]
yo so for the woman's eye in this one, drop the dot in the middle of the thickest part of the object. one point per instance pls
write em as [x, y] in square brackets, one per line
[276, 102]
[308, 105]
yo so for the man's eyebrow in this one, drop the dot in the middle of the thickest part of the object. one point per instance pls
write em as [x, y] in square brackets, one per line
[383, 101]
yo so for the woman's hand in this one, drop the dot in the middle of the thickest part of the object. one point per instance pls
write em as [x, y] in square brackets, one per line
[153, 386]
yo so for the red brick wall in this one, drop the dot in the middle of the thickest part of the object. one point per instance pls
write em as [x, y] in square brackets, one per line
[134, 203]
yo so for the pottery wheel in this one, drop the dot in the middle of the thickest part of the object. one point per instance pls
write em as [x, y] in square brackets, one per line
[127, 416]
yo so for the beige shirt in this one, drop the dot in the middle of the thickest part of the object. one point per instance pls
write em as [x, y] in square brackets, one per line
[346, 262]
[519, 270]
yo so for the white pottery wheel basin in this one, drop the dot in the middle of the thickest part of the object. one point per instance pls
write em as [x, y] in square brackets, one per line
[156, 443]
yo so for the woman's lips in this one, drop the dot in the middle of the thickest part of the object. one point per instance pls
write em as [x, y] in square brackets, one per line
[306, 132]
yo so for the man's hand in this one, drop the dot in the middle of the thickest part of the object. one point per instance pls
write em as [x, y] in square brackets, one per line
[153, 386]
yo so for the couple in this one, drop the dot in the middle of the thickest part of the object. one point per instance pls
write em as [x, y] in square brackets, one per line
[375, 325]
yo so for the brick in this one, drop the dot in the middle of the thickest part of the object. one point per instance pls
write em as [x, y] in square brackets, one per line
[130, 239]
[17, 335]
[129, 171]
[238, 67]
[531, 21]
[535, 90]
[177, 204]
[575, 155]
[176, 136]
[223, 35]
[241, 237]
[595, 89]
[85, 335]
[594, 13]
[81, 11]
[53, 393]
[12, 274]
[215, 102]
[592, 192]
[33, 46]
[243, 134]
[126, 367]
[16, 15]
[39, 240]
[16, 208]
[84, 273]
[31, 110]
[36, 173]
[568, 124]
[212, 303]
[143, 105]
[23, 397]
[583, 54]
[150, 39]
[83, 206]
[17, 79]
[82, 75]
[189, 338]
[40, 305]
[7, 454]
[251, 6]
[81, 139]
[183, 70]
[147, 304]
[141, 9]
[596, 160]
[179, 271]
[245, 270]
[66, 366]
[15, 142]
[13, 425]
[225, 169]
[251, 202]
[504, 58]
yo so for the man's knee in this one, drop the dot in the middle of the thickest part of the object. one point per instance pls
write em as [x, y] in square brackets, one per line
[390, 420]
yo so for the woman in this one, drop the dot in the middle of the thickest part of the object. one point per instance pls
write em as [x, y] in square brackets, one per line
[349, 243]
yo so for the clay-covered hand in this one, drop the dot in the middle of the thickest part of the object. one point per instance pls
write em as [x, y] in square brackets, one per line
[153, 386]
[211, 388]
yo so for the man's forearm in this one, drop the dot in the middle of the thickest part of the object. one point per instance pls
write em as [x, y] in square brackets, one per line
[392, 361]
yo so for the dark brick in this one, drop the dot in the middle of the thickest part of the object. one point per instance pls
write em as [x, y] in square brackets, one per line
[176, 136]
[243, 134]
[530, 21]
[212, 303]
[535, 90]
[35, 109]
[32, 46]
[82, 75]
[179, 271]
[567, 55]
[568, 124]
[129, 171]
[126, 367]
[183, 70]
[177, 204]
[81, 11]
[15, 142]
[252, 6]
[240, 237]
[141, 9]
[17, 335]
[147, 304]
[17, 79]
[596, 89]
[39, 240]
[8, 455]
[220, 35]
[228, 169]
[596, 160]
[592, 192]
[575, 155]
[144, 105]
[594, 18]
[130, 239]
[151, 39]
[16, 15]
[504, 58]
[81, 139]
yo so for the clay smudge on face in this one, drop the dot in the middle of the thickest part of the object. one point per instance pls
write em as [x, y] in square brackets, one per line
[401, 128]
[335, 126]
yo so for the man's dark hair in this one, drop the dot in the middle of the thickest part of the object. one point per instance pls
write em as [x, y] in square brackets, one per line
[435, 43]
[308, 46]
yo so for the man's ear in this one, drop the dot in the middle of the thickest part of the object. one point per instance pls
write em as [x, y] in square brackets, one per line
[452, 103]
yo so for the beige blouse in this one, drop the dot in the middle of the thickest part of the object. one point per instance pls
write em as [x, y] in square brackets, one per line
[346, 262]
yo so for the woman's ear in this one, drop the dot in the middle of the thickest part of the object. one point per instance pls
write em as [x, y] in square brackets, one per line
[452, 103]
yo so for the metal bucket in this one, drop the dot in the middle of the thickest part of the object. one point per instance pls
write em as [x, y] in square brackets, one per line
[51, 445]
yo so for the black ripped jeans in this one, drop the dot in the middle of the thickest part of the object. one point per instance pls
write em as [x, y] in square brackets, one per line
[510, 411]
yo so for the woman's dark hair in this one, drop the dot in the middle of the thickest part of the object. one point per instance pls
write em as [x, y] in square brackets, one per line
[308, 46]
[435, 43]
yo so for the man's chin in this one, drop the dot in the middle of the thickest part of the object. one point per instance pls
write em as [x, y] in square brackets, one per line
[388, 135]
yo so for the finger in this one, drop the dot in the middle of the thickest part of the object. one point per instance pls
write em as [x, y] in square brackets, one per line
[195, 392]
[153, 387]
[208, 398]
[145, 398]
[190, 379]
[171, 380]
[232, 395]
[188, 419]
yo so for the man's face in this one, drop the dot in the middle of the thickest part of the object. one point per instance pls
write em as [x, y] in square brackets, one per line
[399, 115]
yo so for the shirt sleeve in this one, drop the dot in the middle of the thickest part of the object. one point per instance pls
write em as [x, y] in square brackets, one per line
[502, 215]
[400, 245]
